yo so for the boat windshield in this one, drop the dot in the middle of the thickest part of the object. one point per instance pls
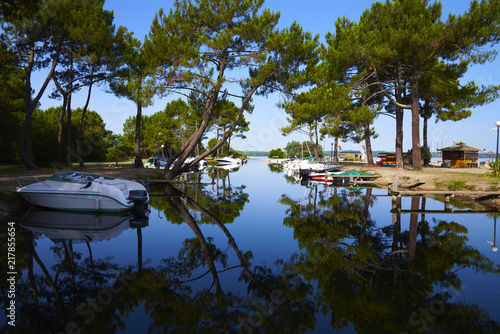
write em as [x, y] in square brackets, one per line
[73, 177]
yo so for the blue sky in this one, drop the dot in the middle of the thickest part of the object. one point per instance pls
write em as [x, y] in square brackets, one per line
[318, 17]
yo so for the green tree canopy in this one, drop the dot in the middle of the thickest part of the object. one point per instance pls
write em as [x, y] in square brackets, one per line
[197, 44]
[46, 126]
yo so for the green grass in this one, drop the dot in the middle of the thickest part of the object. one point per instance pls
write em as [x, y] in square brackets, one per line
[12, 169]
[460, 185]
[438, 184]
[457, 185]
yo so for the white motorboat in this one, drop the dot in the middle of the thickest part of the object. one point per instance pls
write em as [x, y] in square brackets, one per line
[78, 191]
[295, 166]
[229, 161]
[199, 165]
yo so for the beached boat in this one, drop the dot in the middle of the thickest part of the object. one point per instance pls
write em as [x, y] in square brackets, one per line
[78, 191]
[340, 177]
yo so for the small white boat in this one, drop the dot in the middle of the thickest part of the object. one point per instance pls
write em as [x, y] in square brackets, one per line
[229, 161]
[295, 166]
[78, 191]
[199, 165]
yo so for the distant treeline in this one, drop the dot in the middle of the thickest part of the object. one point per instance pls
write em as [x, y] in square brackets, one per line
[375, 154]
[256, 153]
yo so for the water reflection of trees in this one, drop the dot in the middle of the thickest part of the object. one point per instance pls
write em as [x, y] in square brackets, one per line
[79, 293]
[379, 279]
[384, 280]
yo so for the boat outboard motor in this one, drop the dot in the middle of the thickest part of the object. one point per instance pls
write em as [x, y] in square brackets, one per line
[305, 173]
[139, 198]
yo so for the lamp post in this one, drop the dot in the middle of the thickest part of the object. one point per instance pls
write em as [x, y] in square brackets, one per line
[331, 153]
[158, 142]
[116, 151]
[498, 130]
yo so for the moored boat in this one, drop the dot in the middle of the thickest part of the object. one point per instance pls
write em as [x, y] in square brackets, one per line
[229, 161]
[340, 177]
[77, 191]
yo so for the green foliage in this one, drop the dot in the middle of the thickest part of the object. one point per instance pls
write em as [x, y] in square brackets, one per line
[494, 168]
[425, 153]
[324, 227]
[45, 129]
[438, 184]
[277, 153]
[460, 185]
[74, 43]
[176, 123]
[11, 103]
[296, 149]
[199, 45]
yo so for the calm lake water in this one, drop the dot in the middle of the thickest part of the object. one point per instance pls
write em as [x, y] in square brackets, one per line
[252, 251]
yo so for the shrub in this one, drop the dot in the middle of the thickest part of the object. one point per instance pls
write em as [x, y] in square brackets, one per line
[277, 153]
[495, 168]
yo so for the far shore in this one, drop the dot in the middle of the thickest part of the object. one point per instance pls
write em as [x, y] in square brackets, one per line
[466, 180]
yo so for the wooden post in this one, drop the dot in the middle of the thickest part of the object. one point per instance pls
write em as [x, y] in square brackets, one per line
[447, 201]
[394, 201]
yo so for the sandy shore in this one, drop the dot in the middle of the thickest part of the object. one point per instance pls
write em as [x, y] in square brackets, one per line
[466, 179]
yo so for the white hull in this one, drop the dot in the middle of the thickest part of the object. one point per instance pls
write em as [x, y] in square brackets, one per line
[295, 166]
[229, 161]
[77, 201]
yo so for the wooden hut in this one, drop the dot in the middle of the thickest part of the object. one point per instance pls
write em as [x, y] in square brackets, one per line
[460, 155]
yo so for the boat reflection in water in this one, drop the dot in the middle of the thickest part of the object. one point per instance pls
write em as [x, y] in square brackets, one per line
[79, 226]
[273, 257]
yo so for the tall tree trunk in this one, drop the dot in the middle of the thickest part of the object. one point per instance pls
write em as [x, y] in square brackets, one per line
[415, 116]
[137, 146]
[424, 134]
[316, 144]
[426, 148]
[313, 142]
[399, 119]
[197, 149]
[80, 124]
[25, 129]
[60, 147]
[190, 144]
[336, 150]
[68, 120]
[25, 132]
[217, 140]
[368, 142]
